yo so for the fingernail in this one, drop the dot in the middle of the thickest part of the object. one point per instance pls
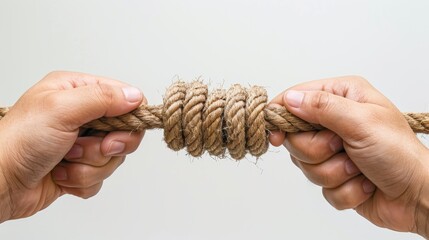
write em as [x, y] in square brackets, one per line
[116, 147]
[294, 98]
[350, 167]
[132, 94]
[368, 186]
[336, 144]
[75, 152]
[59, 173]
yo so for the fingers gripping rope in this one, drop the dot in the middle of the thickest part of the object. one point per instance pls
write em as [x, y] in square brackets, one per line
[237, 120]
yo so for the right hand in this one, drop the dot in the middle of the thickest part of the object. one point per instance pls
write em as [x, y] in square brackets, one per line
[367, 159]
[43, 153]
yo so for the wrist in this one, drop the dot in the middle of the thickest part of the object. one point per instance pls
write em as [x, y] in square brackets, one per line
[422, 207]
[422, 215]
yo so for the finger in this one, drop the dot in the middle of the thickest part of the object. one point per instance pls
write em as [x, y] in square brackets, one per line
[341, 115]
[121, 143]
[313, 147]
[96, 151]
[276, 138]
[91, 102]
[345, 86]
[97, 100]
[87, 150]
[78, 175]
[69, 80]
[351, 194]
[331, 173]
[84, 193]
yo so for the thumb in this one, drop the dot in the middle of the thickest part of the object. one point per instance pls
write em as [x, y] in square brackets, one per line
[80, 105]
[334, 112]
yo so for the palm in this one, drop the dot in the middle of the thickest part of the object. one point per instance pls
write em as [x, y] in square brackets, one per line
[35, 199]
[386, 212]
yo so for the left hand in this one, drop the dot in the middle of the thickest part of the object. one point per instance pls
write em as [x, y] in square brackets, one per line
[367, 159]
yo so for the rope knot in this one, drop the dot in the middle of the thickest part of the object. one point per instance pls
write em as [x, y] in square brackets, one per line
[221, 120]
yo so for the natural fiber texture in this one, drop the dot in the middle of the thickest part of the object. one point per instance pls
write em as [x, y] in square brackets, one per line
[237, 119]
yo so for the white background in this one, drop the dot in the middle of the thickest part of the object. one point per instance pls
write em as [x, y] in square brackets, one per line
[161, 194]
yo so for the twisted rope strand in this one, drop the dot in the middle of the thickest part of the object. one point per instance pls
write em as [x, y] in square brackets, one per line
[237, 120]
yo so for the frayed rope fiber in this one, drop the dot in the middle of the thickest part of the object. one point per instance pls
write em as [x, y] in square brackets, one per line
[237, 120]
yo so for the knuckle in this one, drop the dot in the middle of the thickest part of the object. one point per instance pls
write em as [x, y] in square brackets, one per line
[326, 178]
[101, 161]
[320, 177]
[309, 147]
[346, 202]
[357, 81]
[352, 85]
[333, 202]
[321, 101]
[342, 199]
[104, 94]
[83, 176]
[313, 155]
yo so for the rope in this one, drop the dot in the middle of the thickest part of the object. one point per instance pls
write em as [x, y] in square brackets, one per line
[237, 120]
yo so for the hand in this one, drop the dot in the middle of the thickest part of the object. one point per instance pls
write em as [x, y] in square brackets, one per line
[44, 152]
[368, 158]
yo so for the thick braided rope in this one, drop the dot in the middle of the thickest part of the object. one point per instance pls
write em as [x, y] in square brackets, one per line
[237, 120]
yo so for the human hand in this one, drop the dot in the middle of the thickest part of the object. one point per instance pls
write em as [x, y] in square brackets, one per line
[44, 152]
[367, 159]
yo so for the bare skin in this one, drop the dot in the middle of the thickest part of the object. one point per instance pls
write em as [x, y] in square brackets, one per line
[368, 159]
[44, 152]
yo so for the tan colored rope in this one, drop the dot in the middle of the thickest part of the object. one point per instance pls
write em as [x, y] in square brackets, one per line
[237, 120]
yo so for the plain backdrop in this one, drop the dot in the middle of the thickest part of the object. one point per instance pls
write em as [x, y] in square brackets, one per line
[161, 194]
